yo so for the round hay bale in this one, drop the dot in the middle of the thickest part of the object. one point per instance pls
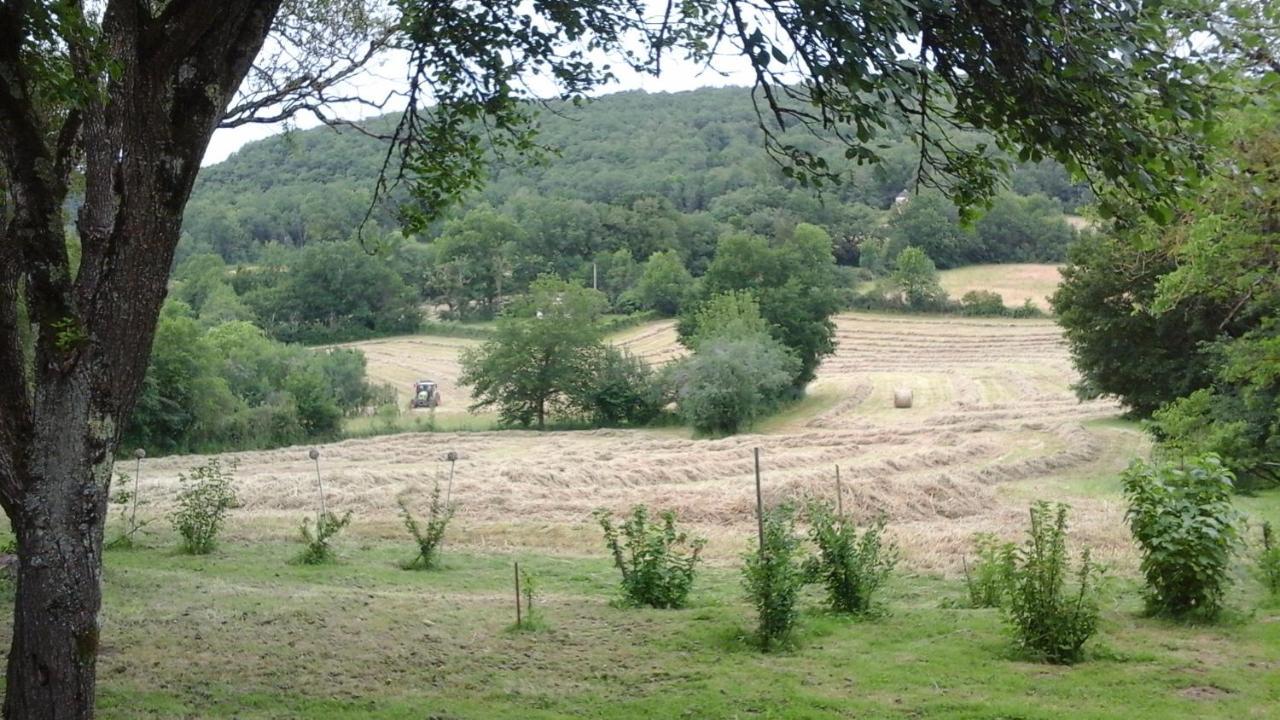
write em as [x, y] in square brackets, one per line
[902, 398]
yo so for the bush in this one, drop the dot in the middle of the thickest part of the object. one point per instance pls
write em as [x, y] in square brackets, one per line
[657, 562]
[988, 579]
[1182, 518]
[982, 303]
[773, 577]
[621, 389]
[1027, 309]
[1269, 561]
[206, 496]
[316, 549]
[852, 567]
[916, 277]
[428, 538]
[729, 383]
[1048, 622]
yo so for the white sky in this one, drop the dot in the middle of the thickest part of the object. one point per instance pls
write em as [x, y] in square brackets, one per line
[390, 73]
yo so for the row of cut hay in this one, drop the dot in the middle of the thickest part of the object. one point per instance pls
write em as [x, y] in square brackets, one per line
[836, 415]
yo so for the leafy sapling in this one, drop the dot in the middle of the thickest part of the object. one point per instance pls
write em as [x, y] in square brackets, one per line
[206, 497]
[1182, 517]
[429, 535]
[1269, 561]
[987, 579]
[773, 576]
[657, 561]
[852, 566]
[128, 499]
[1049, 621]
[528, 616]
[317, 548]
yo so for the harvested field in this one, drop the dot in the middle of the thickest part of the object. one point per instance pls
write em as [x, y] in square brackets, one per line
[992, 415]
[400, 361]
[1015, 282]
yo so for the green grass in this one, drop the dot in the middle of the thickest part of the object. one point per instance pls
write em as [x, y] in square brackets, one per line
[412, 421]
[242, 633]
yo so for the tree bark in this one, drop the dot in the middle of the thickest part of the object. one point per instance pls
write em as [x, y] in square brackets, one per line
[59, 524]
[65, 402]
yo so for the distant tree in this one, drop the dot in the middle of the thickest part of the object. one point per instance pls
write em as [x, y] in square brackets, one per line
[665, 284]
[621, 389]
[729, 383]
[197, 278]
[480, 246]
[335, 291]
[614, 273]
[929, 221]
[1022, 229]
[916, 277]
[794, 284]
[184, 399]
[732, 314]
[1122, 349]
[540, 355]
[223, 305]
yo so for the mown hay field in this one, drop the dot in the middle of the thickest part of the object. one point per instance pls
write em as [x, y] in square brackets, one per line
[1016, 283]
[993, 423]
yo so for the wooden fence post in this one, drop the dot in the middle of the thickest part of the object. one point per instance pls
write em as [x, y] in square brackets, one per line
[759, 504]
[519, 620]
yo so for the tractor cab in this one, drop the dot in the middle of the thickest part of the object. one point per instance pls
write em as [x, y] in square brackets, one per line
[426, 394]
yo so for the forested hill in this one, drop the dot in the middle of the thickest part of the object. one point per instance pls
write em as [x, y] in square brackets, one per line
[688, 157]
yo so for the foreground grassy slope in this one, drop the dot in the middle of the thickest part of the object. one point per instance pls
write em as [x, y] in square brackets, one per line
[244, 634]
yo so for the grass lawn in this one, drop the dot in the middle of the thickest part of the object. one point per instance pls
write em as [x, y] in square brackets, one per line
[243, 633]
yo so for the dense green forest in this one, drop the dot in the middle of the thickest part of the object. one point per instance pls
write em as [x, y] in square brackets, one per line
[644, 172]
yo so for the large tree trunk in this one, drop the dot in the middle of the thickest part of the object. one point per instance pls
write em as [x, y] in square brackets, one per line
[64, 403]
[59, 532]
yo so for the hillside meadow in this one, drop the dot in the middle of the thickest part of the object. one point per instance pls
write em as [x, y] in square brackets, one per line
[246, 633]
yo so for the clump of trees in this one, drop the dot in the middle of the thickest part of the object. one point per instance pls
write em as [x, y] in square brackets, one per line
[547, 358]
[1181, 321]
[758, 325]
[737, 373]
[230, 385]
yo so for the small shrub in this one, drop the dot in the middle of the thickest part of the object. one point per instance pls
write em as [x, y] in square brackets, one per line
[1182, 518]
[1269, 561]
[852, 567]
[1048, 621]
[987, 579]
[657, 561]
[386, 419]
[428, 537]
[316, 549]
[1027, 309]
[530, 618]
[982, 303]
[773, 577]
[206, 496]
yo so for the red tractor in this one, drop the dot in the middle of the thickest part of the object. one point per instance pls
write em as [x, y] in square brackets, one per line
[426, 394]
